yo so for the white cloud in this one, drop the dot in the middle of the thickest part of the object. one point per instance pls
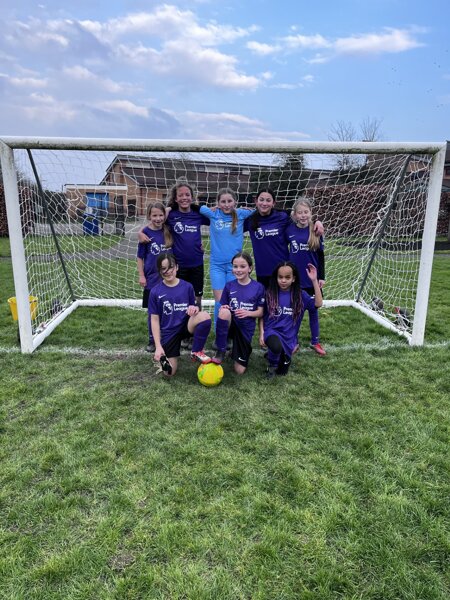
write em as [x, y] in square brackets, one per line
[26, 82]
[230, 126]
[82, 74]
[47, 110]
[168, 22]
[390, 41]
[312, 42]
[191, 64]
[124, 106]
[262, 49]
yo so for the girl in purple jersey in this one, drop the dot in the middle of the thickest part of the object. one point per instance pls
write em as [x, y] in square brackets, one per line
[242, 303]
[174, 315]
[306, 247]
[285, 306]
[267, 228]
[160, 240]
[185, 226]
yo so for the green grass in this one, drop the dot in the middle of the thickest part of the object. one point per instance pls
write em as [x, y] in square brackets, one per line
[329, 483]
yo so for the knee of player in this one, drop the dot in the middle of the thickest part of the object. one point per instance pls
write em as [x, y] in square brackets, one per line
[224, 313]
[239, 369]
[204, 316]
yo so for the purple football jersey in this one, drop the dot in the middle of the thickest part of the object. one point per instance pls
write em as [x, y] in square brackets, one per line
[187, 237]
[282, 323]
[269, 241]
[171, 304]
[299, 252]
[149, 254]
[249, 297]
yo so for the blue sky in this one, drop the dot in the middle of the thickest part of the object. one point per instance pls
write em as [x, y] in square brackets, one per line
[234, 69]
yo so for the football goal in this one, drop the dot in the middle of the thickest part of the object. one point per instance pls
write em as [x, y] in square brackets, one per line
[75, 207]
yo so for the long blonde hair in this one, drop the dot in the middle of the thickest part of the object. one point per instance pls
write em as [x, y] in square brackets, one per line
[234, 217]
[168, 239]
[314, 239]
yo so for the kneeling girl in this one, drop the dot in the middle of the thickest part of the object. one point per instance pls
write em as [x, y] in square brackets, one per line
[242, 302]
[174, 316]
[286, 303]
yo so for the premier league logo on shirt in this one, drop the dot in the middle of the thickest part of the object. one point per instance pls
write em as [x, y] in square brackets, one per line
[294, 246]
[155, 249]
[178, 227]
[259, 234]
[278, 311]
[234, 304]
[220, 224]
[167, 308]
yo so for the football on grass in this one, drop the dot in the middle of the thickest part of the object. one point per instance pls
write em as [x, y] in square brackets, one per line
[210, 374]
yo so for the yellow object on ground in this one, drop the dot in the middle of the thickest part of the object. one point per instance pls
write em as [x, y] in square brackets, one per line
[13, 306]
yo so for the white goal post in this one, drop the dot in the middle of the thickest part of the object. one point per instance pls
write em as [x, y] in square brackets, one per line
[75, 205]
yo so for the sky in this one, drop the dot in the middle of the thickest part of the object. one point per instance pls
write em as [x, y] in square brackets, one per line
[231, 70]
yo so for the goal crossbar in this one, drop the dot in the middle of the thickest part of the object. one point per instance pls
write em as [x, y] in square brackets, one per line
[383, 256]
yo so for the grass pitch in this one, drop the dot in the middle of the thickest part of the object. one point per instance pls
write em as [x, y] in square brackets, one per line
[332, 482]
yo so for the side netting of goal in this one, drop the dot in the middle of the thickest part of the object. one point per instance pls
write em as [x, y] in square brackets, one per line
[75, 207]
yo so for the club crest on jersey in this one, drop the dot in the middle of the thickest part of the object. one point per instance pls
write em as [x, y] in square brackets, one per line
[234, 304]
[178, 227]
[167, 308]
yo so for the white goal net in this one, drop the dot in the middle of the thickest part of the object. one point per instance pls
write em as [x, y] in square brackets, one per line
[77, 207]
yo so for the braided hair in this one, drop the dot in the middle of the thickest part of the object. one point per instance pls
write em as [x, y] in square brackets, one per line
[296, 292]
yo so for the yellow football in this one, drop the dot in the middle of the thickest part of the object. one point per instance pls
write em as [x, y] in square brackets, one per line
[210, 374]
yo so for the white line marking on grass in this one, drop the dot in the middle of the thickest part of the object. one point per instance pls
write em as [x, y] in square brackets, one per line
[383, 344]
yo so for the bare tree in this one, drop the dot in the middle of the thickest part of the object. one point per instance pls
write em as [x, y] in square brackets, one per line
[344, 131]
[370, 129]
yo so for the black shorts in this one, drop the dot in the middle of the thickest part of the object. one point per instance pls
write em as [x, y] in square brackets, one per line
[194, 276]
[172, 346]
[242, 348]
[145, 298]
[264, 279]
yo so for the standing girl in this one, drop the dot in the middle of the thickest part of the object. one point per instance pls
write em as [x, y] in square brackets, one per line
[285, 306]
[174, 316]
[160, 240]
[185, 226]
[306, 247]
[242, 302]
[227, 237]
[267, 228]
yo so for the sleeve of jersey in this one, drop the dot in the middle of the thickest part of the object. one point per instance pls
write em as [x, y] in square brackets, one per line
[261, 296]
[191, 295]
[141, 251]
[153, 303]
[224, 298]
[243, 213]
[205, 211]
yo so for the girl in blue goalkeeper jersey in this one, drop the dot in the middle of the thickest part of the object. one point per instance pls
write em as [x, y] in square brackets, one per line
[227, 238]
